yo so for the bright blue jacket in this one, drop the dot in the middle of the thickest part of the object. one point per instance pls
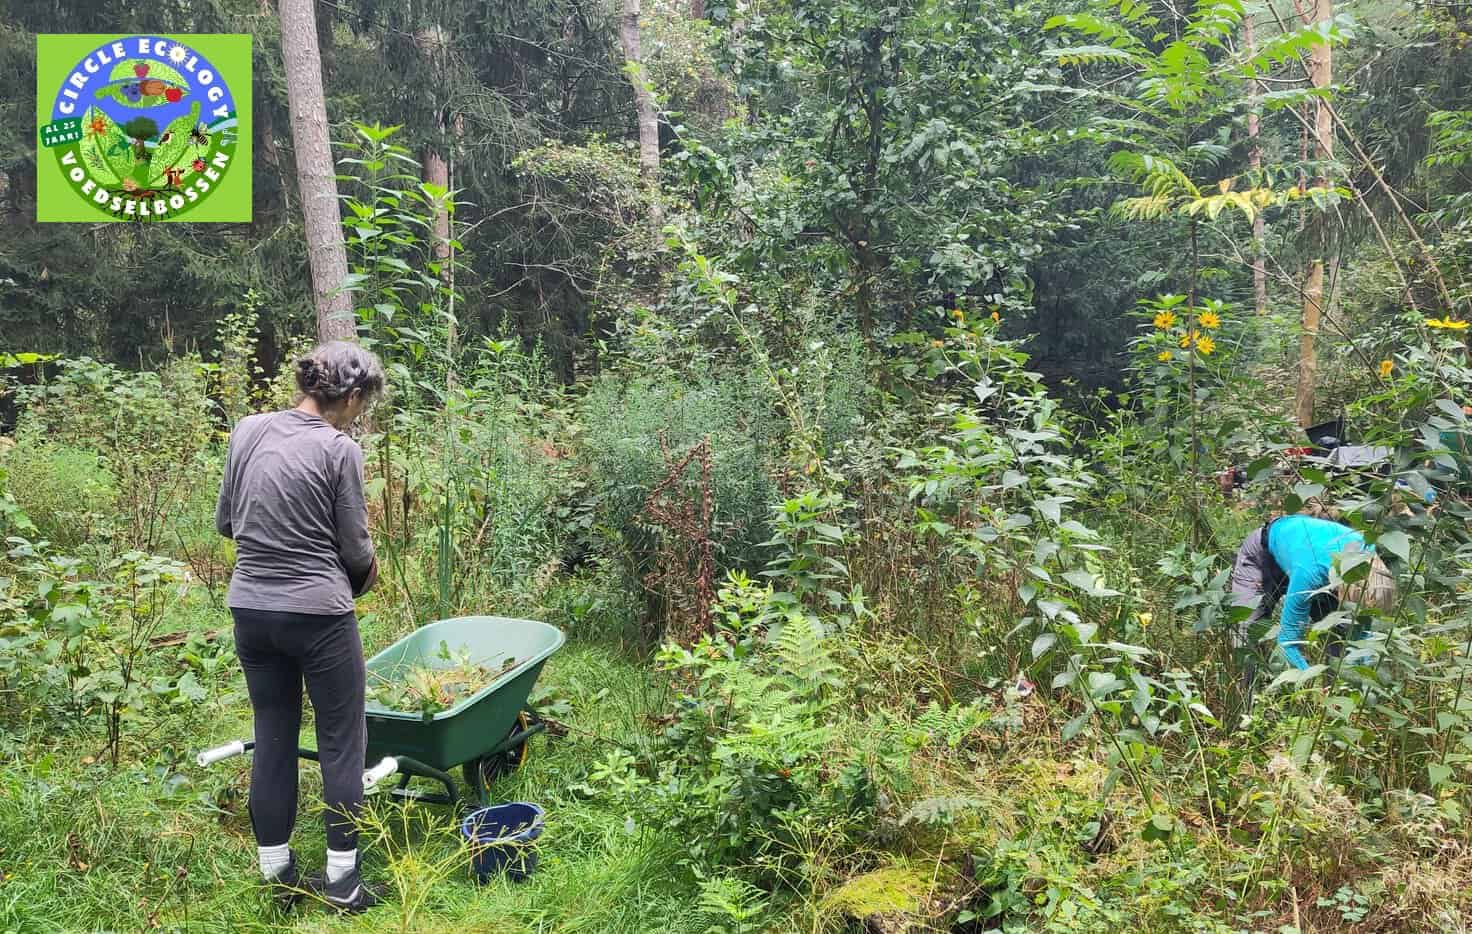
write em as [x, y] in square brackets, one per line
[1305, 548]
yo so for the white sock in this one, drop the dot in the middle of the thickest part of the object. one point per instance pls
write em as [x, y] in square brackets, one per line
[274, 859]
[340, 863]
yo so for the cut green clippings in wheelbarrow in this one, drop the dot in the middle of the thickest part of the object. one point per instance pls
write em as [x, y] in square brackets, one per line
[429, 687]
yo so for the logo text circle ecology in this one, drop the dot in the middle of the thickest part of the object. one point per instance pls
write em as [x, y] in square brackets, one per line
[143, 128]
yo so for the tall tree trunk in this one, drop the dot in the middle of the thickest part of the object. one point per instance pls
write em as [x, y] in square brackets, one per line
[644, 98]
[1254, 161]
[316, 178]
[325, 38]
[1320, 71]
[437, 172]
[432, 41]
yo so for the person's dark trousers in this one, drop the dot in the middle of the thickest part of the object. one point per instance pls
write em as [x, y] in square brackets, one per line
[278, 652]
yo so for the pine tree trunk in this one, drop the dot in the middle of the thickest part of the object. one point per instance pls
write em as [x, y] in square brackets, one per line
[644, 98]
[1254, 161]
[316, 178]
[432, 42]
[437, 172]
[269, 150]
[1321, 71]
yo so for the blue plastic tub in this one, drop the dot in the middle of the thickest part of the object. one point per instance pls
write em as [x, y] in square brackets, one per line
[502, 838]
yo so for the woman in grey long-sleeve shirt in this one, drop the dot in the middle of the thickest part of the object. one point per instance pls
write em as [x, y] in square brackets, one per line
[292, 499]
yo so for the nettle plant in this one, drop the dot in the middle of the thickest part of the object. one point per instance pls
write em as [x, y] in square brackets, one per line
[402, 275]
[998, 489]
[78, 638]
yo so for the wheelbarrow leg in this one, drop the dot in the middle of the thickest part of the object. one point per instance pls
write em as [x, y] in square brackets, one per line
[408, 767]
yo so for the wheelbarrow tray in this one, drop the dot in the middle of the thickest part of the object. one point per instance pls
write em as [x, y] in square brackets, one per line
[477, 724]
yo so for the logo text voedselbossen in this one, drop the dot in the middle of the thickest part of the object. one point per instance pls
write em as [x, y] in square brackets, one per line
[141, 127]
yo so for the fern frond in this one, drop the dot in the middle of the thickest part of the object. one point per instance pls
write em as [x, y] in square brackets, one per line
[933, 812]
[1156, 174]
[805, 656]
[1094, 54]
[1148, 208]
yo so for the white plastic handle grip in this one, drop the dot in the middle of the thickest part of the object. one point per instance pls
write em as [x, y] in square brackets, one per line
[379, 772]
[211, 756]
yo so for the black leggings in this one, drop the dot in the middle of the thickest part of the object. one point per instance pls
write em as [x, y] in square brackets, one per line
[278, 651]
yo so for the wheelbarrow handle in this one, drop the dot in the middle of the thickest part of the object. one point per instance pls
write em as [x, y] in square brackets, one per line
[237, 747]
[386, 767]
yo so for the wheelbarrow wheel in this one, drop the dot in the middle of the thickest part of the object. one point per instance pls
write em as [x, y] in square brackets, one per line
[481, 772]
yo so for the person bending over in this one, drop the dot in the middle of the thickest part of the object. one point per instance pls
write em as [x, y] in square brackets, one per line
[292, 499]
[1290, 559]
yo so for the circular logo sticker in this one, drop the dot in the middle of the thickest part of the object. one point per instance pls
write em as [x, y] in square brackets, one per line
[143, 128]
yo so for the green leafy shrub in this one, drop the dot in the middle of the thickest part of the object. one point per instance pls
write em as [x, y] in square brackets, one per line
[753, 752]
[78, 639]
[68, 493]
[148, 427]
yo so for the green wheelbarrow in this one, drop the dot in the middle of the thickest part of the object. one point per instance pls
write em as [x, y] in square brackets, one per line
[485, 734]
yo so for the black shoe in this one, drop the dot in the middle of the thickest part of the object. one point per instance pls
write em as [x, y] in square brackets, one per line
[287, 889]
[350, 894]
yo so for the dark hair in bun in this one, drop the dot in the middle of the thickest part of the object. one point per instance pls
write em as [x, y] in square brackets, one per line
[330, 373]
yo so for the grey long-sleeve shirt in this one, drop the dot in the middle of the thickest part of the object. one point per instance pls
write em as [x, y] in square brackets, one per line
[292, 499]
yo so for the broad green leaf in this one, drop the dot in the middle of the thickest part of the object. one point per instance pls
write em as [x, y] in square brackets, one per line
[1071, 728]
[1395, 542]
[1042, 643]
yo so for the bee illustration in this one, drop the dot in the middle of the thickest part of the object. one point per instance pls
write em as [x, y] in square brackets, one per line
[200, 136]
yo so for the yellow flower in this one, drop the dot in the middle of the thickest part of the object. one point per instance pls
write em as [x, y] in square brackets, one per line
[937, 343]
[1144, 619]
[996, 316]
[1385, 367]
[958, 314]
[1205, 345]
[1209, 320]
[1165, 320]
[1446, 323]
[1164, 356]
[1188, 339]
